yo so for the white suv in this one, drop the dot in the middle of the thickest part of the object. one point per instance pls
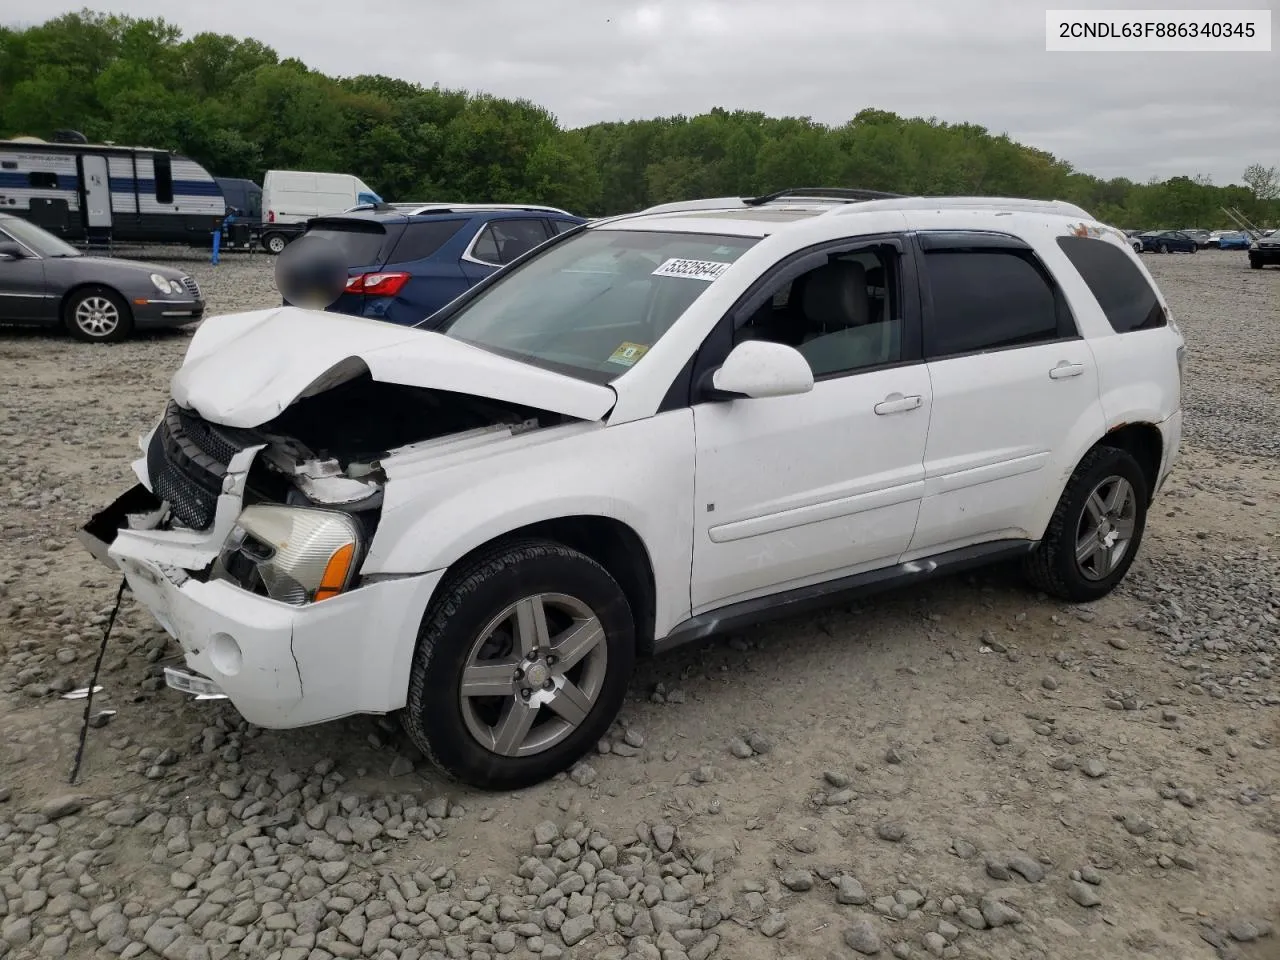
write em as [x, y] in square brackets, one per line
[653, 428]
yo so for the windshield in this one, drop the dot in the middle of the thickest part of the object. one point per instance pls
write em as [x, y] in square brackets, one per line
[41, 241]
[593, 305]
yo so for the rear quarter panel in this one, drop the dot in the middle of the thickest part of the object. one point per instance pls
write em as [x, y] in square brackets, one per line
[1137, 373]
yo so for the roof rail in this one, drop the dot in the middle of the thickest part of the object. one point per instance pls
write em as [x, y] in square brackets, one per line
[845, 194]
[1011, 204]
[461, 207]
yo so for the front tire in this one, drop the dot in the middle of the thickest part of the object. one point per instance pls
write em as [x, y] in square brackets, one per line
[1163, 248]
[97, 315]
[522, 664]
[274, 243]
[1096, 529]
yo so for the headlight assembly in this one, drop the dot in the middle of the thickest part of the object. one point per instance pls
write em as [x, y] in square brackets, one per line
[297, 555]
[161, 283]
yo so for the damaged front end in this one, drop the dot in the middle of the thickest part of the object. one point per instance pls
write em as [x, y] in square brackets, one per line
[233, 526]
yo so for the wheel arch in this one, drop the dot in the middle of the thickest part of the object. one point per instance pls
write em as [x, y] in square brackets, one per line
[1144, 442]
[1141, 438]
[86, 285]
[610, 542]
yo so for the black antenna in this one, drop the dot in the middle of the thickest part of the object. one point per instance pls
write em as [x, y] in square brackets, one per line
[848, 194]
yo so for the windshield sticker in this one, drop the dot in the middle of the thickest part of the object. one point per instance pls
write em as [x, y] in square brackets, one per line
[707, 270]
[628, 353]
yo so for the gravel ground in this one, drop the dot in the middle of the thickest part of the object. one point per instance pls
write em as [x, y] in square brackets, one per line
[968, 770]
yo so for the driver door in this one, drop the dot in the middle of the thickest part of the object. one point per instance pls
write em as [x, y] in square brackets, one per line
[792, 491]
[23, 294]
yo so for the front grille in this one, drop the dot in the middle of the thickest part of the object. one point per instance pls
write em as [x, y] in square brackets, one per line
[187, 461]
[193, 288]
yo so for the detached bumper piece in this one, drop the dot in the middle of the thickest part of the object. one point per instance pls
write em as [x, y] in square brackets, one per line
[100, 532]
[200, 687]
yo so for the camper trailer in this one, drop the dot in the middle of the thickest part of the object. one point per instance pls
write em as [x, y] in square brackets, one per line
[98, 193]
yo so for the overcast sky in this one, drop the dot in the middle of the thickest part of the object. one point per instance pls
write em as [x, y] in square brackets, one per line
[978, 61]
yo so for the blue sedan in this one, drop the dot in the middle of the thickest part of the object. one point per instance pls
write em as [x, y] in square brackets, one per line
[1234, 241]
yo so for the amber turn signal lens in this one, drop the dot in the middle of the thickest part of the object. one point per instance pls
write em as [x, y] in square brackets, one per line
[335, 572]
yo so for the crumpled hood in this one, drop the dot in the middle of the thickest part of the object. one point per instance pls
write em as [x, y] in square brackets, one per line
[243, 369]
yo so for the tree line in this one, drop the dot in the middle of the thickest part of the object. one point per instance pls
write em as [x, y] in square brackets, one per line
[239, 109]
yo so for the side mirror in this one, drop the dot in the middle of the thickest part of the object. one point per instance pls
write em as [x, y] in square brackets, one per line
[758, 368]
[11, 251]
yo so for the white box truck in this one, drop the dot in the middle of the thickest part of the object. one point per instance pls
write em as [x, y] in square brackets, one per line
[292, 197]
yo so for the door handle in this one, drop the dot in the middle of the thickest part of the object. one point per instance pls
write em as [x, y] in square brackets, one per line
[897, 403]
[1066, 369]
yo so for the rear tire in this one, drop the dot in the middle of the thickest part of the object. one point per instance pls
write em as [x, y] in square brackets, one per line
[560, 639]
[97, 315]
[274, 243]
[1058, 565]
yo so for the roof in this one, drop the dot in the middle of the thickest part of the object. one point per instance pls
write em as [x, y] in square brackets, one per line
[51, 145]
[761, 216]
[400, 213]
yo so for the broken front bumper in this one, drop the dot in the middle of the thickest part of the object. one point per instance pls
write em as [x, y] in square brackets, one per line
[280, 665]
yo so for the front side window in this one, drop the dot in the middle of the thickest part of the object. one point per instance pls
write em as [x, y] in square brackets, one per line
[1116, 283]
[503, 241]
[842, 316]
[989, 299]
[594, 304]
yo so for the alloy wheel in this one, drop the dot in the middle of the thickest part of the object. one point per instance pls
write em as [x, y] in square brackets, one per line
[97, 316]
[1106, 528]
[533, 675]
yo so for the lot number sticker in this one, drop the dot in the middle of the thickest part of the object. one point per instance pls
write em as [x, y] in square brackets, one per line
[628, 353]
[706, 270]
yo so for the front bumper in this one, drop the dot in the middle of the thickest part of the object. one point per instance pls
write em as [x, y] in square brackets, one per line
[163, 313]
[280, 665]
[1265, 255]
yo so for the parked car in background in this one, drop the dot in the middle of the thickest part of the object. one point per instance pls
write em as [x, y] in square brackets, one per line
[656, 428]
[1201, 237]
[44, 281]
[1214, 237]
[292, 197]
[403, 266]
[1265, 251]
[1234, 241]
[1167, 241]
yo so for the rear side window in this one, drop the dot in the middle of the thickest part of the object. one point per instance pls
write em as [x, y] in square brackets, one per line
[504, 240]
[360, 242]
[1116, 283]
[563, 226]
[989, 299]
[422, 240]
[164, 178]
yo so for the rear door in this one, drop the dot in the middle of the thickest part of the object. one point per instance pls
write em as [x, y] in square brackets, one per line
[1015, 390]
[499, 242]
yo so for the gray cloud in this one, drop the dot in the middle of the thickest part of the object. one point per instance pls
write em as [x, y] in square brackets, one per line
[976, 61]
